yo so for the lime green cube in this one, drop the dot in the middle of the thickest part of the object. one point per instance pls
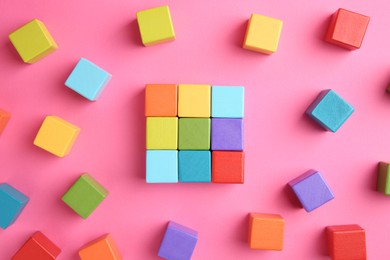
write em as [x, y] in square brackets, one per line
[383, 184]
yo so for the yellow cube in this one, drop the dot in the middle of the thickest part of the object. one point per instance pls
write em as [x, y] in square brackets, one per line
[194, 100]
[161, 133]
[33, 41]
[262, 34]
[155, 25]
[56, 136]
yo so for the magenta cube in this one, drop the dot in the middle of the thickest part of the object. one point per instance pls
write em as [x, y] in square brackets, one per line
[227, 134]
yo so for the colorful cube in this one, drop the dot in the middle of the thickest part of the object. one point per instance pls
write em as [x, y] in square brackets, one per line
[12, 203]
[162, 166]
[266, 231]
[330, 110]
[102, 248]
[194, 100]
[227, 101]
[155, 25]
[178, 243]
[161, 133]
[33, 41]
[263, 34]
[161, 100]
[383, 183]
[85, 195]
[227, 134]
[56, 136]
[194, 133]
[194, 166]
[227, 167]
[311, 190]
[37, 247]
[347, 29]
[346, 242]
[4, 118]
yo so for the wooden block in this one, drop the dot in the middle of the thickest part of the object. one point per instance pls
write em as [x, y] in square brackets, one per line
[56, 136]
[37, 247]
[161, 133]
[12, 203]
[162, 166]
[346, 242]
[85, 195]
[194, 100]
[33, 41]
[161, 100]
[4, 118]
[194, 166]
[347, 29]
[266, 231]
[155, 25]
[227, 134]
[227, 167]
[262, 34]
[227, 101]
[102, 248]
[383, 183]
[194, 133]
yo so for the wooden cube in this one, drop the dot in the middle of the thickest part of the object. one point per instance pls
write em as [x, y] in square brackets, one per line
[383, 183]
[227, 167]
[194, 133]
[102, 248]
[162, 166]
[194, 100]
[161, 100]
[4, 118]
[161, 133]
[12, 203]
[266, 231]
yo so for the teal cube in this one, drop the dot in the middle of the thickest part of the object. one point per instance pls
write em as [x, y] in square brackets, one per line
[12, 203]
[194, 166]
[162, 166]
[227, 101]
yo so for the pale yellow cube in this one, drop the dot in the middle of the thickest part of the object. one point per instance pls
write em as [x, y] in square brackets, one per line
[161, 133]
[194, 100]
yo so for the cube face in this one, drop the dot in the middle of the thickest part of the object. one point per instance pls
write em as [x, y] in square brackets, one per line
[346, 242]
[85, 195]
[33, 41]
[194, 134]
[227, 167]
[101, 248]
[155, 25]
[266, 231]
[88, 79]
[227, 101]
[263, 34]
[383, 183]
[330, 110]
[161, 100]
[4, 118]
[194, 166]
[162, 166]
[227, 134]
[12, 203]
[161, 133]
[194, 100]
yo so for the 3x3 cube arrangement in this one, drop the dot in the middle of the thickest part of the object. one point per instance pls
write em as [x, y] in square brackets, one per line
[194, 133]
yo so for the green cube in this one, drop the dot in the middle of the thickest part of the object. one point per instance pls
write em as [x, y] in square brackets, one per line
[194, 133]
[85, 195]
[383, 184]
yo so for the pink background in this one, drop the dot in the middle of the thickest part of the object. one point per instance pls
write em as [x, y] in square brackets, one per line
[280, 142]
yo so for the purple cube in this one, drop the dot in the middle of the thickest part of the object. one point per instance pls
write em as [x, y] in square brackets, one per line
[227, 134]
[178, 243]
[311, 190]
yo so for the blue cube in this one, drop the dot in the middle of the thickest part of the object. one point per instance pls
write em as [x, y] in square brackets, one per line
[227, 101]
[162, 166]
[194, 166]
[12, 203]
[330, 110]
[88, 80]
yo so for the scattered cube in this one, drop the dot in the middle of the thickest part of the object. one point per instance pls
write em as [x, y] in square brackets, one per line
[178, 243]
[38, 247]
[88, 79]
[56, 136]
[103, 248]
[383, 184]
[330, 110]
[4, 118]
[347, 29]
[346, 242]
[194, 166]
[194, 133]
[311, 190]
[33, 41]
[263, 34]
[227, 101]
[266, 231]
[155, 25]
[12, 203]
[194, 100]
[85, 195]
[227, 167]
[162, 166]
[161, 100]
[161, 133]
[227, 134]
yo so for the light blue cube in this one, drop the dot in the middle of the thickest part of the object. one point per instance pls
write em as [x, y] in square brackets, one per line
[330, 110]
[162, 166]
[227, 101]
[12, 203]
[88, 80]
[194, 166]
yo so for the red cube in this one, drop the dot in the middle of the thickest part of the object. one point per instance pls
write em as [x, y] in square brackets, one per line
[227, 167]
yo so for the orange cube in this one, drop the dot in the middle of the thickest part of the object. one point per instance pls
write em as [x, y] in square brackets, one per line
[4, 118]
[266, 231]
[103, 248]
[161, 100]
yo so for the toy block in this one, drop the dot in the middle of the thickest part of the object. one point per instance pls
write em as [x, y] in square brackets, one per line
[330, 110]
[162, 166]
[102, 248]
[194, 133]
[4, 118]
[347, 29]
[383, 183]
[161, 100]
[155, 25]
[88, 79]
[266, 231]
[262, 34]
[12, 203]
[227, 101]
[56, 136]
[227, 167]
[85, 195]
[227, 134]
[194, 166]
[346, 242]
[311, 190]
[178, 243]
[33, 41]
[161, 133]
[37, 247]
[194, 100]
